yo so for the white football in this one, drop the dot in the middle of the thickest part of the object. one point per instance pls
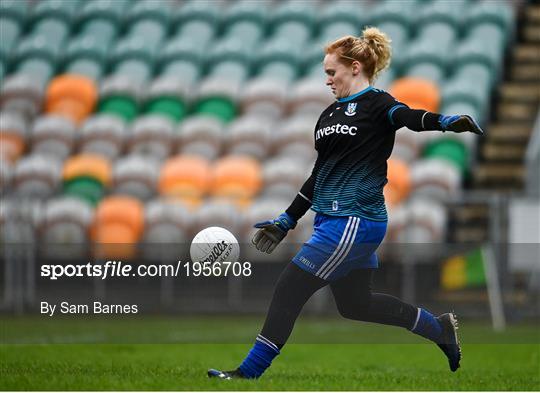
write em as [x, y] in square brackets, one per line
[214, 244]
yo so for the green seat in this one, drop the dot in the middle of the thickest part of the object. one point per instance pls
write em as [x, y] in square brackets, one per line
[293, 21]
[399, 12]
[221, 107]
[492, 12]
[445, 12]
[131, 58]
[14, 9]
[229, 59]
[85, 55]
[312, 59]
[245, 20]
[53, 18]
[10, 31]
[85, 188]
[119, 95]
[36, 56]
[278, 59]
[491, 35]
[196, 20]
[13, 15]
[167, 96]
[54, 29]
[446, 35]
[475, 50]
[100, 18]
[171, 107]
[182, 58]
[352, 13]
[451, 150]
[470, 84]
[337, 30]
[124, 106]
[149, 20]
[338, 19]
[427, 59]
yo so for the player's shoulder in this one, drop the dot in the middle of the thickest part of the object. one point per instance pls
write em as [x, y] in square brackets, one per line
[381, 98]
[380, 94]
[327, 110]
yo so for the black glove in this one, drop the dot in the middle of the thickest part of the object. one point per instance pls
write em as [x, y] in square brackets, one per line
[460, 123]
[272, 232]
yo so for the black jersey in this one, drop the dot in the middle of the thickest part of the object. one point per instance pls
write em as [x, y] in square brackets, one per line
[354, 138]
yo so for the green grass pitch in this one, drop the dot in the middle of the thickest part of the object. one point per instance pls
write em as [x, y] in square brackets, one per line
[39, 354]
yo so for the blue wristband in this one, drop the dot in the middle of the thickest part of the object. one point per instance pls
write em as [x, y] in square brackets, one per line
[285, 222]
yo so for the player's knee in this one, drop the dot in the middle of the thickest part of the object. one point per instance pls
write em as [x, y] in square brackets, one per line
[355, 309]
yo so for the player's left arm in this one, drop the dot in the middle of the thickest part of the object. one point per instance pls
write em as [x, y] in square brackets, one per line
[387, 110]
[421, 120]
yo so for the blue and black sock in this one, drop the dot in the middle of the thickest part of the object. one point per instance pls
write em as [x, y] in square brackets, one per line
[426, 325]
[259, 358]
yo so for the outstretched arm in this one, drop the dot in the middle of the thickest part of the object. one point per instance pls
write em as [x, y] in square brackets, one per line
[420, 120]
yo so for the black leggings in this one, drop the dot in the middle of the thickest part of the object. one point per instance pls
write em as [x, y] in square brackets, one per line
[352, 294]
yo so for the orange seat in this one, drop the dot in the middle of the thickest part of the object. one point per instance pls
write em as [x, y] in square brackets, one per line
[184, 176]
[417, 93]
[72, 96]
[88, 165]
[237, 177]
[11, 146]
[120, 210]
[399, 182]
[114, 241]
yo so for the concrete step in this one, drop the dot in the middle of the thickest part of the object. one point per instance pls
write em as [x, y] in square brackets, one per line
[497, 176]
[521, 92]
[531, 34]
[532, 13]
[527, 53]
[470, 213]
[516, 111]
[526, 73]
[469, 235]
[509, 132]
[497, 152]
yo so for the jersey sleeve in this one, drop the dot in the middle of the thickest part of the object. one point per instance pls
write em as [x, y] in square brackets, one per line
[383, 108]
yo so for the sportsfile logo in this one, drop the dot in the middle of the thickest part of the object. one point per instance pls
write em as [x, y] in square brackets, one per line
[336, 128]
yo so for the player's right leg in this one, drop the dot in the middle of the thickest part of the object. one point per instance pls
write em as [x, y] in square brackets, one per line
[293, 289]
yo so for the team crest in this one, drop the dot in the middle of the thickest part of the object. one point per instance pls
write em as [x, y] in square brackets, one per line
[351, 109]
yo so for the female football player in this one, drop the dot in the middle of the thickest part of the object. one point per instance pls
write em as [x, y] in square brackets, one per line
[354, 137]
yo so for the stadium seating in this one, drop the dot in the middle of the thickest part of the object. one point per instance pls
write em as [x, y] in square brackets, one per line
[36, 176]
[102, 135]
[86, 176]
[12, 135]
[117, 228]
[136, 175]
[185, 177]
[65, 228]
[180, 111]
[53, 135]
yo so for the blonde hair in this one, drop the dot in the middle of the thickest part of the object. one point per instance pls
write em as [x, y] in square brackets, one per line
[372, 50]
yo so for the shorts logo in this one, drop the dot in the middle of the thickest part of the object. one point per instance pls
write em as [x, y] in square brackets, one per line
[306, 262]
[351, 109]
